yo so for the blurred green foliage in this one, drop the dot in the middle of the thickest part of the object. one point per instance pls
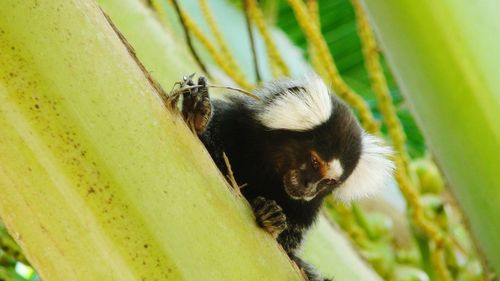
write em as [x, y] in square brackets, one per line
[13, 264]
[374, 232]
[338, 25]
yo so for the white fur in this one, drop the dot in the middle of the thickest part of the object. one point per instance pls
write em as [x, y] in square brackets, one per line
[374, 170]
[291, 110]
[335, 170]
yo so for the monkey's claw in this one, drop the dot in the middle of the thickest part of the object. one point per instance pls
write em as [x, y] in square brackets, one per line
[196, 105]
[269, 215]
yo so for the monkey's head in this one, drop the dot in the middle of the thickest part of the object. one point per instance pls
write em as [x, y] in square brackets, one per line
[315, 143]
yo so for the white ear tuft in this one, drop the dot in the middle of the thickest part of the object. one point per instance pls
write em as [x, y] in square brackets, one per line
[303, 109]
[373, 171]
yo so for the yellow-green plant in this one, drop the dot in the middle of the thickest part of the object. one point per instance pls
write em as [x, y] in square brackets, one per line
[444, 55]
[98, 180]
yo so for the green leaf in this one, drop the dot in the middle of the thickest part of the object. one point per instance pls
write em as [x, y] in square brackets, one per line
[445, 57]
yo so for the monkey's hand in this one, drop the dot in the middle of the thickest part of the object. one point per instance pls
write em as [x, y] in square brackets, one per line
[269, 215]
[196, 105]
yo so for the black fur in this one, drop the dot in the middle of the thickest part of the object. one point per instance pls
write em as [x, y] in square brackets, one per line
[259, 157]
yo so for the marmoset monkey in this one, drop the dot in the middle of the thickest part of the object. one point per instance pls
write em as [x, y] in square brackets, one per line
[293, 146]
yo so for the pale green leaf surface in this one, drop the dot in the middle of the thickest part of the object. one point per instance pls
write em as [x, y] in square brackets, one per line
[445, 58]
[99, 181]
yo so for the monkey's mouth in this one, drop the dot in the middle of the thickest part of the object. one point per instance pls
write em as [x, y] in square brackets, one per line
[297, 189]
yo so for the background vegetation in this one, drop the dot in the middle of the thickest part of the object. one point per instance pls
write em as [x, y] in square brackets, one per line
[386, 232]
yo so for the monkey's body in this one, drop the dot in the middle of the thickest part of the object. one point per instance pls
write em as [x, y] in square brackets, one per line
[233, 131]
[291, 148]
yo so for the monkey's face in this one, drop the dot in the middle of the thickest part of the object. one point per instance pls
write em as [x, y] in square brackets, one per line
[315, 143]
[312, 164]
[316, 162]
[315, 173]
[314, 176]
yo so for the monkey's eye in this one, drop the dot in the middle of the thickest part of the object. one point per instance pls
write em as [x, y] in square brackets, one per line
[315, 163]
